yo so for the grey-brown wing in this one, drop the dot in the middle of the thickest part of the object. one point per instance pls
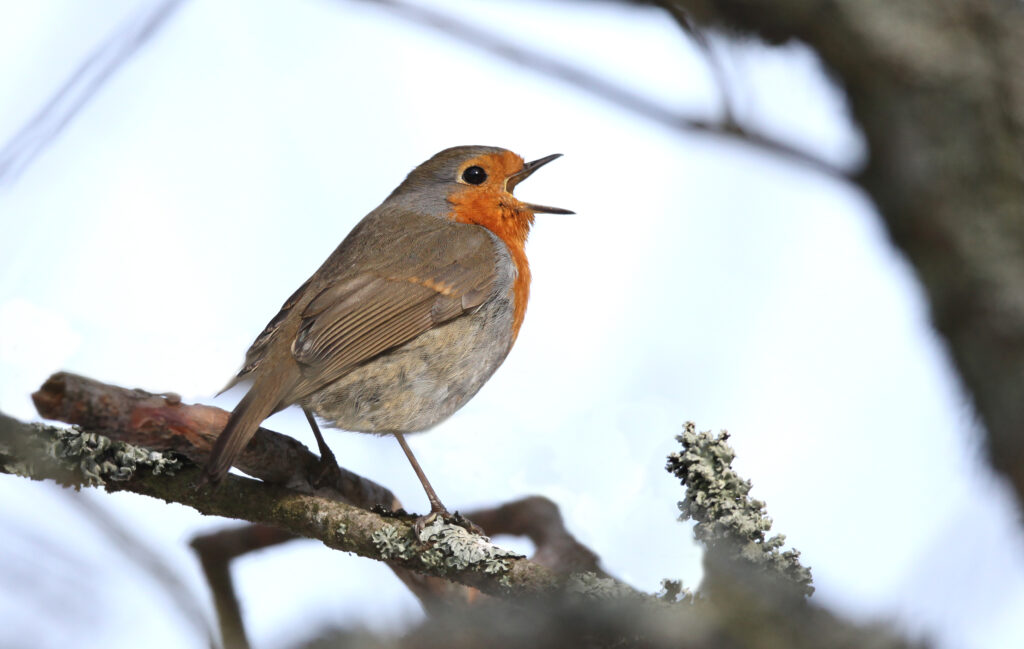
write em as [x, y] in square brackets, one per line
[259, 347]
[356, 318]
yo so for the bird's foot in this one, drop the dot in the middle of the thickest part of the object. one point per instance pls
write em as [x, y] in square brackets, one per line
[447, 517]
[328, 473]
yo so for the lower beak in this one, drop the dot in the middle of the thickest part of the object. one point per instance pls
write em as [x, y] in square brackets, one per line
[525, 173]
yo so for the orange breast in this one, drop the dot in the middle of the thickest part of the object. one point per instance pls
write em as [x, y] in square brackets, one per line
[503, 215]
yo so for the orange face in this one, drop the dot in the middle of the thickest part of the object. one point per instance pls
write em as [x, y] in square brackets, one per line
[482, 198]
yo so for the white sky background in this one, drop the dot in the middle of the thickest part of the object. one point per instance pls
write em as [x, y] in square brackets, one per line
[699, 280]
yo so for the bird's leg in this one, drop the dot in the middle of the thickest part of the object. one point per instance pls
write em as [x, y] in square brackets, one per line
[436, 507]
[328, 464]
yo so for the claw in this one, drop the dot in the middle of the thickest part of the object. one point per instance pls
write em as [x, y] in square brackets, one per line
[328, 473]
[423, 521]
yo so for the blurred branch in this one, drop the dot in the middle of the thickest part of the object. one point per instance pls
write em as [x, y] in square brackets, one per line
[696, 33]
[943, 115]
[599, 87]
[216, 551]
[83, 84]
[98, 68]
[751, 619]
[539, 519]
[535, 517]
[134, 548]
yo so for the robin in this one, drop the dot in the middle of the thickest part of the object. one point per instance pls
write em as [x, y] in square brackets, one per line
[407, 318]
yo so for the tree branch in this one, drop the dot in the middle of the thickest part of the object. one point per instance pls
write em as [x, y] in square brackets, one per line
[162, 422]
[285, 499]
[76, 458]
[600, 611]
[216, 551]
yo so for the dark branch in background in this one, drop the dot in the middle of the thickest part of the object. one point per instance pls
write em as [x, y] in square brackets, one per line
[131, 547]
[96, 70]
[83, 84]
[538, 519]
[943, 116]
[750, 621]
[216, 551]
[535, 517]
[703, 43]
[595, 85]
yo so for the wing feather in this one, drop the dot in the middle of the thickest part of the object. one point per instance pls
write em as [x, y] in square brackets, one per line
[449, 271]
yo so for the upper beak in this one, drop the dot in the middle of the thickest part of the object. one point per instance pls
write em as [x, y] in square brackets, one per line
[524, 173]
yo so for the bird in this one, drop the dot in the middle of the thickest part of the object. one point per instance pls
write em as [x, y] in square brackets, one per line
[409, 316]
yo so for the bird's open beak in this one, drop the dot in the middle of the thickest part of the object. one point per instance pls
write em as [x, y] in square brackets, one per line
[523, 174]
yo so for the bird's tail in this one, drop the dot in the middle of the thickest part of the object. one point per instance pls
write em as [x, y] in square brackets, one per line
[260, 402]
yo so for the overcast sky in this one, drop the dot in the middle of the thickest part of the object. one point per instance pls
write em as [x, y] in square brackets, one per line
[700, 280]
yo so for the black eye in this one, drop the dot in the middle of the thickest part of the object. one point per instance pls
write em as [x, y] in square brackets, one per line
[474, 175]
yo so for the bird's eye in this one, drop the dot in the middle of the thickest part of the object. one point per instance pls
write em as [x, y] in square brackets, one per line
[474, 175]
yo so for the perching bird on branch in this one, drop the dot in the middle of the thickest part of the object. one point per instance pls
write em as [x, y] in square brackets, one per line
[408, 317]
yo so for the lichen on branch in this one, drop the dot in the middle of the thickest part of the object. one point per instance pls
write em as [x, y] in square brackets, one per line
[85, 458]
[728, 519]
[78, 458]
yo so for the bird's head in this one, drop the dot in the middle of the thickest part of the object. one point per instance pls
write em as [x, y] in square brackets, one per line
[474, 184]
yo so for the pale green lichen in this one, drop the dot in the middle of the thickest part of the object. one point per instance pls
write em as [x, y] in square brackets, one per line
[727, 518]
[99, 459]
[391, 544]
[456, 547]
[445, 547]
[342, 529]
